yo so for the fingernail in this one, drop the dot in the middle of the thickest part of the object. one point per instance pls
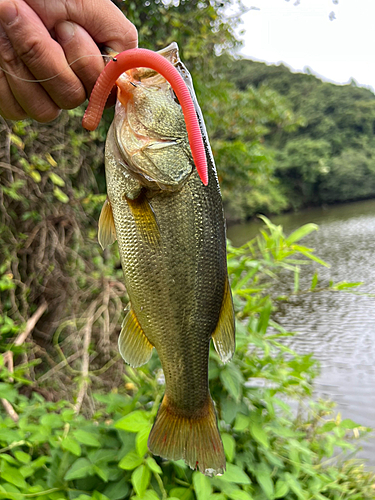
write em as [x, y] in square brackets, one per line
[64, 31]
[8, 12]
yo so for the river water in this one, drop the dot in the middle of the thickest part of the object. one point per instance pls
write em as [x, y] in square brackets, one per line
[338, 327]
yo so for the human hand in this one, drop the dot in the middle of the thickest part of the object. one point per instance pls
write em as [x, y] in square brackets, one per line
[39, 39]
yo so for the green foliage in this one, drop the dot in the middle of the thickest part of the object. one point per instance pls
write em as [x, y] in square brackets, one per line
[52, 452]
[200, 27]
[351, 177]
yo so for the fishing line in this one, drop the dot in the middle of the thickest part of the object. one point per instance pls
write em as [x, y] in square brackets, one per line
[58, 74]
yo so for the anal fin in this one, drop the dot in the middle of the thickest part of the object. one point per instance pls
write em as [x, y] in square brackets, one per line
[224, 334]
[107, 230]
[133, 344]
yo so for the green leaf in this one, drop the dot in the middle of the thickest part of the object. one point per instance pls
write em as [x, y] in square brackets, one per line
[229, 446]
[60, 195]
[80, 468]
[343, 285]
[153, 466]
[70, 444]
[314, 281]
[103, 455]
[117, 489]
[140, 479]
[9, 459]
[232, 380]
[133, 422]
[99, 496]
[12, 475]
[86, 438]
[130, 461]
[281, 489]
[35, 175]
[264, 317]
[202, 486]
[8, 392]
[242, 422]
[263, 476]
[102, 472]
[237, 494]
[182, 493]
[347, 423]
[295, 485]
[22, 457]
[149, 495]
[259, 434]
[17, 141]
[328, 426]
[141, 440]
[310, 255]
[235, 474]
[301, 232]
[56, 179]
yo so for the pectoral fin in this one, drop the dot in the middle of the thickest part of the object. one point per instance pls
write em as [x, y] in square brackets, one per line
[133, 344]
[107, 231]
[145, 219]
[224, 334]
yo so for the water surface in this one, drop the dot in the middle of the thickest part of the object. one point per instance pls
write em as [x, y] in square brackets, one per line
[338, 327]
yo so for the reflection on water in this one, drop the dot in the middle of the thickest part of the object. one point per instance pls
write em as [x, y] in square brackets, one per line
[339, 327]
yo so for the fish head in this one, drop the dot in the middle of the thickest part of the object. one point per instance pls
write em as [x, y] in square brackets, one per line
[150, 130]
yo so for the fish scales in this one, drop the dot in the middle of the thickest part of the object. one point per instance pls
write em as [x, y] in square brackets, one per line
[165, 281]
[172, 243]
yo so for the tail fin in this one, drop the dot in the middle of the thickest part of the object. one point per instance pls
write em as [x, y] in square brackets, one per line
[196, 440]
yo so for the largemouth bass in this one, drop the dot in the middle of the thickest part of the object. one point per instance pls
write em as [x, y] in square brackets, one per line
[171, 235]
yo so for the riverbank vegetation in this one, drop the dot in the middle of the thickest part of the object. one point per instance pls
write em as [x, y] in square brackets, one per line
[74, 419]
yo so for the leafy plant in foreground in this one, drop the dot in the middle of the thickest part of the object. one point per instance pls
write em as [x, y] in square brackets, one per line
[273, 450]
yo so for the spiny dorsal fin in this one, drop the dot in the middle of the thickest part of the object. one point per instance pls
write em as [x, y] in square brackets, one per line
[145, 219]
[107, 230]
[224, 334]
[133, 344]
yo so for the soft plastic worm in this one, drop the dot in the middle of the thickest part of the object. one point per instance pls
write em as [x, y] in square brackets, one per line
[144, 58]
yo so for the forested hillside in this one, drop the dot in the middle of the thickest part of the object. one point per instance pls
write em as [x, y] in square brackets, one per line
[330, 156]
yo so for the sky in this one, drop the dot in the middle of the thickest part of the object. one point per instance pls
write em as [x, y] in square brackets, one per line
[301, 34]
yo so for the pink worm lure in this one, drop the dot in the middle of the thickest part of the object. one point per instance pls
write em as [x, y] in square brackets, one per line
[133, 58]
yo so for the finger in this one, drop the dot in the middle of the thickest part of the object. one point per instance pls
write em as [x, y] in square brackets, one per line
[106, 24]
[9, 107]
[81, 52]
[19, 97]
[110, 27]
[40, 54]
